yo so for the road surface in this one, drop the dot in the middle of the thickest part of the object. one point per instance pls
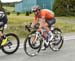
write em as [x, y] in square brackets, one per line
[67, 53]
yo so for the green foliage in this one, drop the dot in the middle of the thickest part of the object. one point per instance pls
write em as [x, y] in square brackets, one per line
[64, 7]
[0, 4]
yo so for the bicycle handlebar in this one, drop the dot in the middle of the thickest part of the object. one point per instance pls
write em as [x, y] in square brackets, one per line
[27, 28]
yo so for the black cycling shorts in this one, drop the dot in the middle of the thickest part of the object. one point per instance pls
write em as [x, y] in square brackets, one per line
[51, 22]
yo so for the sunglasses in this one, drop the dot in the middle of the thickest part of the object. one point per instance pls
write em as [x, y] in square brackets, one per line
[35, 11]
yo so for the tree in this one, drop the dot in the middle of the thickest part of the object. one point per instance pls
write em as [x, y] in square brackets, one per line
[0, 4]
[64, 7]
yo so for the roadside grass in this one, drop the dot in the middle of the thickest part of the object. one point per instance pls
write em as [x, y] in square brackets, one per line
[65, 27]
[16, 24]
[66, 24]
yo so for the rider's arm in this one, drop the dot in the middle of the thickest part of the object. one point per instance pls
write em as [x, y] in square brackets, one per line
[34, 21]
[5, 26]
[4, 18]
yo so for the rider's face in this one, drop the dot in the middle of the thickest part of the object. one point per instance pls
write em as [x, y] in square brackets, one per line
[36, 12]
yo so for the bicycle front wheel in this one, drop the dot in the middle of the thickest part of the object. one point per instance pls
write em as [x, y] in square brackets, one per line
[30, 48]
[12, 44]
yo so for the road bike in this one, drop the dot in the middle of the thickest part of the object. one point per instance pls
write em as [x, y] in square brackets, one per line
[32, 48]
[11, 44]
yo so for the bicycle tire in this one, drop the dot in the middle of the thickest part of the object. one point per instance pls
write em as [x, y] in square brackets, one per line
[60, 41]
[25, 46]
[17, 40]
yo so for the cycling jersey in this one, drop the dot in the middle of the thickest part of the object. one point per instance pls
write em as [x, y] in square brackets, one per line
[3, 17]
[47, 14]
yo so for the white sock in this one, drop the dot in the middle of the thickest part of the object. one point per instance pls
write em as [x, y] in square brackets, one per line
[46, 42]
[50, 35]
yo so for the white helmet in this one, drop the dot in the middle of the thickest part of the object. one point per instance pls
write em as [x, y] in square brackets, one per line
[35, 8]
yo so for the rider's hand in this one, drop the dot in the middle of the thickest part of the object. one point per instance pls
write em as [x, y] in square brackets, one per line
[32, 26]
[5, 26]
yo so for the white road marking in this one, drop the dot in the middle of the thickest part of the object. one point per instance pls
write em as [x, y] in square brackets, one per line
[65, 38]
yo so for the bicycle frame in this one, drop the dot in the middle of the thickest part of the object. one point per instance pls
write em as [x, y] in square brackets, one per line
[54, 44]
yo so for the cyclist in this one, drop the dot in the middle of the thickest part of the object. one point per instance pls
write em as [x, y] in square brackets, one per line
[45, 17]
[3, 23]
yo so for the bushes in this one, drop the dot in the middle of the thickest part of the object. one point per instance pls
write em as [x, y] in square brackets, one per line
[64, 7]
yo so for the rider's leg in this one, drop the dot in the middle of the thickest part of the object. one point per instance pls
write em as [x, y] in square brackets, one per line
[3, 39]
[45, 25]
[0, 37]
[46, 43]
[50, 23]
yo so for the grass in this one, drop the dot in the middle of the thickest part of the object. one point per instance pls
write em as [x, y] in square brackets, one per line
[66, 24]
[16, 24]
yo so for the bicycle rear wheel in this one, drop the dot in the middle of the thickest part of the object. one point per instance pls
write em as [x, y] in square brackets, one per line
[12, 44]
[30, 48]
[57, 41]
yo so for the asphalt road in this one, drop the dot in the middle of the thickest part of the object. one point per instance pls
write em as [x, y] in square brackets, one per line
[67, 53]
